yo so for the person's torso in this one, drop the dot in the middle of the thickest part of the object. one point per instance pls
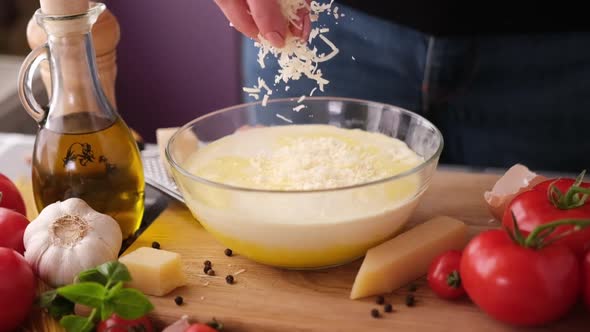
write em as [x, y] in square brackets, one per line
[452, 17]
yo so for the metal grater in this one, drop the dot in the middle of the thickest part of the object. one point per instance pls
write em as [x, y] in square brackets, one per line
[156, 175]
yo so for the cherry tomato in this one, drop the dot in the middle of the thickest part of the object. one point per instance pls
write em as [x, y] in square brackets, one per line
[17, 289]
[118, 324]
[443, 275]
[586, 281]
[11, 197]
[533, 208]
[200, 328]
[517, 284]
[12, 229]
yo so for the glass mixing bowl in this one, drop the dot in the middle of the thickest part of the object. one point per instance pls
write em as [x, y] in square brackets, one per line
[305, 229]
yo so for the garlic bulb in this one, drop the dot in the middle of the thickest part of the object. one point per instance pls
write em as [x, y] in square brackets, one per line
[69, 237]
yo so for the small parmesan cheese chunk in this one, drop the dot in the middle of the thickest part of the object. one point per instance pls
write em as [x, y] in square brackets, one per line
[298, 108]
[407, 256]
[284, 118]
[154, 271]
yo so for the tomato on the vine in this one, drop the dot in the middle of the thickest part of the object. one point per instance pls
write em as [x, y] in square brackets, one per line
[17, 289]
[549, 201]
[12, 229]
[443, 275]
[518, 280]
[11, 197]
[118, 324]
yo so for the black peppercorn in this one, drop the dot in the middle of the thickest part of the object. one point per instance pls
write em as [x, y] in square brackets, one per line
[210, 272]
[207, 263]
[410, 300]
[413, 288]
[178, 300]
[388, 307]
[228, 252]
[380, 299]
[375, 313]
[229, 279]
[155, 245]
[206, 269]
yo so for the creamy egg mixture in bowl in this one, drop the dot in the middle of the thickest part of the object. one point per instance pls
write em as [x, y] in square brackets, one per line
[304, 187]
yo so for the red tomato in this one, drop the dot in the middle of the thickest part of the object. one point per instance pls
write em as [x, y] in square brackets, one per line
[12, 229]
[520, 285]
[17, 289]
[200, 328]
[443, 275]
[586, 281]
[118, 324]
[11, 197]
[533, 208]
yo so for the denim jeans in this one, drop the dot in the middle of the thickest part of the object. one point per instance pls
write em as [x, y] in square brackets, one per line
[498, 100]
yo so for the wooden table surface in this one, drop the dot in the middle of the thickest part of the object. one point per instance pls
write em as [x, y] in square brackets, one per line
[270, 299]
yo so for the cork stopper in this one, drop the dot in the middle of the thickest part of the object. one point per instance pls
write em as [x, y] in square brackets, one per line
[106, 33]
[64, 7]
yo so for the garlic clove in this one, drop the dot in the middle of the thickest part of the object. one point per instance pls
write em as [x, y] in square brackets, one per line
[42, 222]
[102, 226]
[51, 265]
[87, 260]
[35, 246]
[73, 259]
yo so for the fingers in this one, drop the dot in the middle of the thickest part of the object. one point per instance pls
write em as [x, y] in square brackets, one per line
[264, 17]
[303, 27]
[270, 21]
[236, 12]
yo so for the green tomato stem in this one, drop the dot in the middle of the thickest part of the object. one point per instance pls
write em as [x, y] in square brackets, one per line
[575, 196]
[536, 237]
[454, 279]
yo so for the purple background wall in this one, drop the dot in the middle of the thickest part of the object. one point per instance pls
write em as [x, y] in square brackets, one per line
[177, 59]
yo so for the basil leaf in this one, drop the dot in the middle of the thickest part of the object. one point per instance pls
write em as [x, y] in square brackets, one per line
[114, 290]
[87, 293]
[114, 271]
[46, 299]
[106, 310]
[56, 305]
[91, 275]
[74, 323]
[61, 307]
[130, 303]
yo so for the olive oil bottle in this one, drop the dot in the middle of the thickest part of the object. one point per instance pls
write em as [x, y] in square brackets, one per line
[83, 147]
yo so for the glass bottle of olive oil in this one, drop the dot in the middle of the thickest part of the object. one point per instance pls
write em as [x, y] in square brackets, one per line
[83, 147]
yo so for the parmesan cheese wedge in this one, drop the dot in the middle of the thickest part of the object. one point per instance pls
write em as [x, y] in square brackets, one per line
[407, 256]
[154, 271]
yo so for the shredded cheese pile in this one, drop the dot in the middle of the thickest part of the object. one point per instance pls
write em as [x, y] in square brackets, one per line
[296, 59]
[308, 163]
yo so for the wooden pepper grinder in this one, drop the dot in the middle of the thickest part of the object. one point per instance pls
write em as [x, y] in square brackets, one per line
[105, 34]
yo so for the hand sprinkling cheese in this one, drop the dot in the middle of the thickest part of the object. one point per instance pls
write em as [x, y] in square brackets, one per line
[296, 59]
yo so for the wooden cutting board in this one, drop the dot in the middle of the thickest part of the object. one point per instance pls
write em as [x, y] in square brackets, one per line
[270, 299]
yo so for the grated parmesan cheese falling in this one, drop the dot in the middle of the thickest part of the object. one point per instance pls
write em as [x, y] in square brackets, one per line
[296, 59]
[298, 108]
[282, 117]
